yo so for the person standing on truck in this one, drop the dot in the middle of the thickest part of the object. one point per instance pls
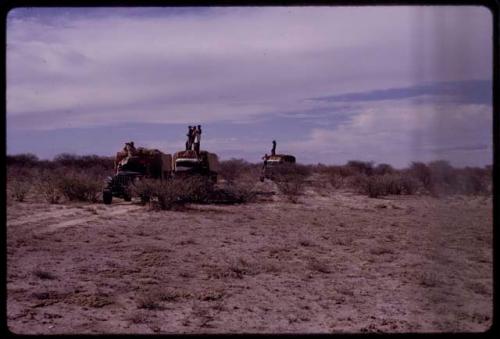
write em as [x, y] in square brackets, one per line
[265, 157]
[197, 139]
[273, 150]
[129, 148]
[189, 142]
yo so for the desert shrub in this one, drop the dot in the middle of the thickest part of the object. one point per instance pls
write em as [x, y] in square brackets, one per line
[389, 184]
[83, 161]
[443, 177]
[382, 169]
[48, 187]
[233, 168]
[149, 301]
[337, 175]
[174, 193]
[144, 188]
[473, 181]
[234, 193]
[196, 189]
[361, 167]
[291, 179]
[19, 189]
[291, 188]
[22, 160]
[421, 172]
[357, 182]
[76, 186]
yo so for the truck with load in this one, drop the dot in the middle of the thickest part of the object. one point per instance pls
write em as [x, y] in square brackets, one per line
[273, 163]
[133, 164]
[189, 162]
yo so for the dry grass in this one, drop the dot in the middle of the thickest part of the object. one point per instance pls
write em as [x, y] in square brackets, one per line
[149, 301]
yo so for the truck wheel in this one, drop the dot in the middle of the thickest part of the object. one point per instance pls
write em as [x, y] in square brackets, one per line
[127, 197]
[145, 199]
[107, 197]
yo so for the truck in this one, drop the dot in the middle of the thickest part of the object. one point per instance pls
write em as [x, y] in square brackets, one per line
[189, 163]
[133, 165]
[274, 163]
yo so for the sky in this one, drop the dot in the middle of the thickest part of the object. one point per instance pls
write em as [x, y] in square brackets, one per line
[330, 84]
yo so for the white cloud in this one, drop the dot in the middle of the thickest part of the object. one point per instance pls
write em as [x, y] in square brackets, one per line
[102, 64]
[398, 132]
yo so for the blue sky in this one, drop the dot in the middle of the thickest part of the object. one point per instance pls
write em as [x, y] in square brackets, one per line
[330, 84]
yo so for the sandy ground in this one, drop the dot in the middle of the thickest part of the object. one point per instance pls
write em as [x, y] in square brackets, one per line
[334, 262]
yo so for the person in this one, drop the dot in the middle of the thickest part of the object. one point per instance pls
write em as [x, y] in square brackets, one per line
[197, 139]
[265, 157]
[273, 150]
[189, 141]
[129, 148]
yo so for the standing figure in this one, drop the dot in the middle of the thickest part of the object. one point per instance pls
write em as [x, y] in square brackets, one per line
[129, 148]
[264, 165]
[197, 139]
[189, 141]
[273, 150]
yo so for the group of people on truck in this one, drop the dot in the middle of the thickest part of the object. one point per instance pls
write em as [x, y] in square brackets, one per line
[194, 139]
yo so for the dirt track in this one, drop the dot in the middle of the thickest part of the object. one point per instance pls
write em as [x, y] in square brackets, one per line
[334, 262]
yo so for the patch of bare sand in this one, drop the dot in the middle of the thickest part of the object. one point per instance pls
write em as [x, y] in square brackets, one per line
[331, 263]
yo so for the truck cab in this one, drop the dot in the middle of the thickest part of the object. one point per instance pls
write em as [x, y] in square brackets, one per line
[189, 163]
[273, 163]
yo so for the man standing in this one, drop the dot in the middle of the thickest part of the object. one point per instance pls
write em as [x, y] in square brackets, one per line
[189, 141]
[273, 150]
[265, 157]
[197, 139]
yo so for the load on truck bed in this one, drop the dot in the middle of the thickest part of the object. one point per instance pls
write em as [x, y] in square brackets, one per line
[186, 163]
[150, 162]
[132, 165]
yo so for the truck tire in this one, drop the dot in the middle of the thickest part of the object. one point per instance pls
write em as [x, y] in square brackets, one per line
[127, 197]
[145, 199]
[107, 197]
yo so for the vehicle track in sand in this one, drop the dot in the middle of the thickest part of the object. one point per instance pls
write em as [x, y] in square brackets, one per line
[72, 216]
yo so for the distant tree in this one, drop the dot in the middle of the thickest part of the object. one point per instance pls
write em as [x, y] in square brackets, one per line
[25, 159]
[382, 169]
[362, 167]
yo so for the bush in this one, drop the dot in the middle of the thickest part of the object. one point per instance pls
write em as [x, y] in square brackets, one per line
[357, 182]
[473, 181]
[290, 180]
[22, 160]
[233, 168]
[361, 167]
[389, 184]
[336, 175]
[80, 187]
[19, 189]
[382, 169]
[422, 173]
[83, 161]
[234, 193]
[171, 194]
[48, 187]
[144, 188]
